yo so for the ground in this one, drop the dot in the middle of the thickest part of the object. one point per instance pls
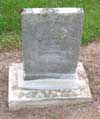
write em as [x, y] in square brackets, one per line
[89, 55]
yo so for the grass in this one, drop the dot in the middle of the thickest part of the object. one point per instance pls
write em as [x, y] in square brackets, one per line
[53, 115]
[10, 41]
[10, 18]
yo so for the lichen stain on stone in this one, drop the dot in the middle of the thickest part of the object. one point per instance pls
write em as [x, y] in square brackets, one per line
[44, 14]
[49, 10]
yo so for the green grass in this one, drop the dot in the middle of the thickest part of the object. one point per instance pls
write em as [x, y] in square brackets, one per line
[10, 18]
[10, 41]
[53, 115]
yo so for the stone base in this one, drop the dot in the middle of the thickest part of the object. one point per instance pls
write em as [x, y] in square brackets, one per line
[47, 92]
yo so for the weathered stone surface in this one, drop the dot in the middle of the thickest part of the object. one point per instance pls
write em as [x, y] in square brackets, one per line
[51, 41]
[23, 98]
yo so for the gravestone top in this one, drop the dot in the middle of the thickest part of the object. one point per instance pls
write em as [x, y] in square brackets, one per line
[52, 10]
[51, 41]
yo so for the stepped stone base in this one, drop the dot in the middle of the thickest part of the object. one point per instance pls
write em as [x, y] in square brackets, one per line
[47, 92]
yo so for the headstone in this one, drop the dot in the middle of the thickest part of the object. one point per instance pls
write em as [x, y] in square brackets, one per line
[51, 42]
[50, 72]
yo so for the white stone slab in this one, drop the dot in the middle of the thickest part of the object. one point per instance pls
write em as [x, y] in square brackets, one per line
[68, 81]
[57, 10]
[24, 98]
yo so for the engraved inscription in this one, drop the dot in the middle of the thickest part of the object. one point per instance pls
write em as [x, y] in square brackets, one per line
[51, 42]
[50, 38]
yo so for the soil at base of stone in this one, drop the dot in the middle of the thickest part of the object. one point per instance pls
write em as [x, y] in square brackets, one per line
[89, 55]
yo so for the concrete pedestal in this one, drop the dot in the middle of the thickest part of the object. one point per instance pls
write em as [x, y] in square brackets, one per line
[47, 92]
